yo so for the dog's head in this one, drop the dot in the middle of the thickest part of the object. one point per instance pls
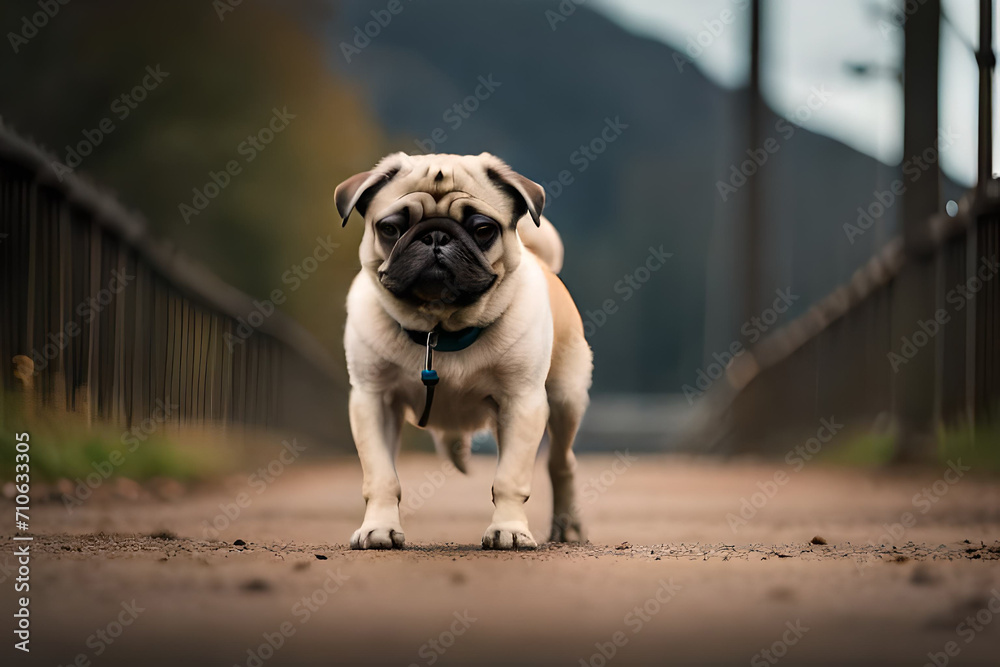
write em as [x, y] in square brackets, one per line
[440, 230]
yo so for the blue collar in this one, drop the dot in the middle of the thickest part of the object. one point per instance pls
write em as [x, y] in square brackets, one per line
[447, 341]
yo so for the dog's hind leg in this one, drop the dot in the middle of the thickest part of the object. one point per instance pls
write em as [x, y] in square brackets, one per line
[566, 388]
[564, 421]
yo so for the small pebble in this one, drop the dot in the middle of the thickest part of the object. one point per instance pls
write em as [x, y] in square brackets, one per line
[781, 594]
[922, 576]
[256, 585]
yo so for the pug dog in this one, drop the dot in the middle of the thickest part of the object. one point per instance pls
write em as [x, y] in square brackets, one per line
[457, 322]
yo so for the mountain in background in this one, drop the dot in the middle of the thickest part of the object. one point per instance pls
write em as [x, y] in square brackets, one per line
[669, 136]
[656, 184]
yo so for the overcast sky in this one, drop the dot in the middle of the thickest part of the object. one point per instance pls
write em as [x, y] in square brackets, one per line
[811, 42]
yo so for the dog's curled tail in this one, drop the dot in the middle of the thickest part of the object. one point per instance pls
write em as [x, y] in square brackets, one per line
[543, 241]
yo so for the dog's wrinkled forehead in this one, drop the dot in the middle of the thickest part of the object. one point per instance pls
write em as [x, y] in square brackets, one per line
[441, 186]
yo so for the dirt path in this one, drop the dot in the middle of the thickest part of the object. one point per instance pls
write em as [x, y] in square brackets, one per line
[666, 579]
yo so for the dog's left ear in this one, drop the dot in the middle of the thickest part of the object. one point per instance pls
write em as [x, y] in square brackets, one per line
[524, 189]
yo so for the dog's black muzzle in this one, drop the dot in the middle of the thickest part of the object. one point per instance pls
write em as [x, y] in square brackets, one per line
[437, 260]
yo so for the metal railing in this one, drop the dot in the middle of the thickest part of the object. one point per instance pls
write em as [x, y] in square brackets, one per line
[103, 320]
[911, 341]
[842, 357]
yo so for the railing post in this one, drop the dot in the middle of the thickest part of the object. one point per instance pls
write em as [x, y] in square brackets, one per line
[986, 61]
[752, 259]
[984, 282]
[985, 240]
[914, 290]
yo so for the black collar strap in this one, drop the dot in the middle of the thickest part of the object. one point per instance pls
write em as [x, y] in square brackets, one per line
[442, 341]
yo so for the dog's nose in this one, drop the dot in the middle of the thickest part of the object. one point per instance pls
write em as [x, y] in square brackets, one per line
[436, 238]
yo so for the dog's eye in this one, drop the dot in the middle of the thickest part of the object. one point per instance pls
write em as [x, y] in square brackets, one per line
[483, 228]
[483, 232]
[388, 230]
[391, 227]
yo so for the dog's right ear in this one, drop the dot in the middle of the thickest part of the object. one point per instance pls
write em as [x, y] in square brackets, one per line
[350, 192]
[358, 190]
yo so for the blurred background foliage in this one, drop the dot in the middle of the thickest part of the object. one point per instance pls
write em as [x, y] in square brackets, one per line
[224, 80]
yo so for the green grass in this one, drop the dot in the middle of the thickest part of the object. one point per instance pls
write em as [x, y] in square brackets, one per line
[979, 449]
[863, 449]
[66, 448]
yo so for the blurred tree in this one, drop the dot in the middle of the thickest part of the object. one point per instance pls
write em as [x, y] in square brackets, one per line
[222, 78]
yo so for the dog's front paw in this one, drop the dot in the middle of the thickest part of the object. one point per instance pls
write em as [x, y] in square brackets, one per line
[509, 535]
[377, 537]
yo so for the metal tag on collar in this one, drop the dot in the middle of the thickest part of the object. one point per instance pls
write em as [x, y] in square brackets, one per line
[429, 376]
